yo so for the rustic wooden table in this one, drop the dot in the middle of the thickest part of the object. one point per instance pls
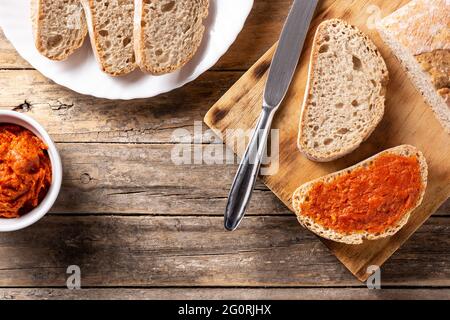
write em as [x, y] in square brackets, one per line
[141, 227]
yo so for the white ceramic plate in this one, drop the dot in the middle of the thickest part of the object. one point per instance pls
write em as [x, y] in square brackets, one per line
[81, 73]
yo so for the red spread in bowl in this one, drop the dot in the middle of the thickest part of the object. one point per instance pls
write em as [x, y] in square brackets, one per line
[25, 171]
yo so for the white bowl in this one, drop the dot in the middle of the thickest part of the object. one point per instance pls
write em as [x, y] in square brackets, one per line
[37, 213]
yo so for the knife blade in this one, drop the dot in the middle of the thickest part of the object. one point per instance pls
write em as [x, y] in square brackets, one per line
[288, 51]
[281, 72]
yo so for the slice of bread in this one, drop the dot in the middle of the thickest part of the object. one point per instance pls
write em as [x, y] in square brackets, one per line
[110, 24]
[302, 194]
[168, 33]
[59, 27]
[345, 94]
[419, 35]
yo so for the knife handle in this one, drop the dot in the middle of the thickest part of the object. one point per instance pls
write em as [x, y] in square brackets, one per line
[247, 173]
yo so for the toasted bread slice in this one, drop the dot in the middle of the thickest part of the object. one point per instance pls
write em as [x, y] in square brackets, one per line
[59, 27]
[419, 35]
[168, 33]
[110, 24]
[302, 195]
[345, 95]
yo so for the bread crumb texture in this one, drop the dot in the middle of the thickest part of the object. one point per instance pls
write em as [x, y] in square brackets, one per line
[113, 33]
[437, 65]
[60, 27]
[171, 32]
[346, 95]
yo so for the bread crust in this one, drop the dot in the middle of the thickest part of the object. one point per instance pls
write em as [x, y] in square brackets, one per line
[310, 153]
[36, 14]
[138, 34]
[421, 25]
[419, 35]
[358, 238]
[139, 41]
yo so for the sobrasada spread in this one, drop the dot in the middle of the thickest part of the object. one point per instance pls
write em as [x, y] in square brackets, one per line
[371, 198]
[25, 171]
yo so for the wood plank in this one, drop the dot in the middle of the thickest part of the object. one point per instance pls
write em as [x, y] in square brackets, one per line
[130, 179]
[444, 209]
[226, 294]
[142, 179]
[407, 120]
[9, 58]
[196, 251]
[259, 33]
[72, 117]
[261, 30]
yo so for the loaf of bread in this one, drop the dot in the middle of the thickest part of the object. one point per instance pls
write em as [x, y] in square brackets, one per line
[345, 94]
[110, 26]
[168, 33]
[385, 189]
[59, 27]
[419, 35]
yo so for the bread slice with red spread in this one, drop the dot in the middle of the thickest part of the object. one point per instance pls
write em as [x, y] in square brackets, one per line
[371, 200]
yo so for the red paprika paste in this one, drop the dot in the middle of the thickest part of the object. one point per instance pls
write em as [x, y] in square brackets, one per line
[25, 171]
[371, 198]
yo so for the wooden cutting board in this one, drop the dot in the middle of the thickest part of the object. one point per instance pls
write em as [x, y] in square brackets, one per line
[408, 120]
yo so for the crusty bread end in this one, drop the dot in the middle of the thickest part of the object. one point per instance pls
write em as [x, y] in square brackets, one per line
[419, 36]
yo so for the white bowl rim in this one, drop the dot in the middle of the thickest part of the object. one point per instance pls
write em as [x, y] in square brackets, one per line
[13, 117]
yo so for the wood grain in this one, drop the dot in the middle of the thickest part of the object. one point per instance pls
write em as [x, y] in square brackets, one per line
[142, 179]
[197, 251]
[226, 293]
[72, 117]
[105, 216]
[9, 58]
[408, 120]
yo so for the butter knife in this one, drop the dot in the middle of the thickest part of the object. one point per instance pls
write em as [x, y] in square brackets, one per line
[281, 72]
